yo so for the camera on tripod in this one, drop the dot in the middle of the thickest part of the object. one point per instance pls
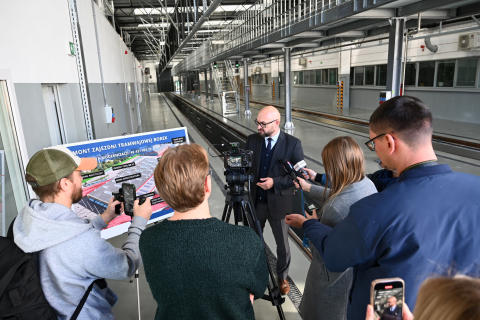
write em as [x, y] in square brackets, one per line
[127, 194]
[236, 163]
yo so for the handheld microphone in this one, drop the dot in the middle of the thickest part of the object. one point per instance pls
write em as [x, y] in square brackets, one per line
[291, 171]
[299, 168]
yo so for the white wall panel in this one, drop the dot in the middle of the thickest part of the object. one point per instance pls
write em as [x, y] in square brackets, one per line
[35, 38]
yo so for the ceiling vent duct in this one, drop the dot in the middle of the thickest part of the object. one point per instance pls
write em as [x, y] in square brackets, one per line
[430, 46]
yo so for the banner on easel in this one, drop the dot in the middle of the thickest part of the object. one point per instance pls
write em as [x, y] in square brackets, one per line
[126, 159]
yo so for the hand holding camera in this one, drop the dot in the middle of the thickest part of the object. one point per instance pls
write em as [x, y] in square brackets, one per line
[126, 199]
[311, 174]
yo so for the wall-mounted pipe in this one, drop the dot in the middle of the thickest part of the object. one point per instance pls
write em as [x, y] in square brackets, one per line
[430, 46]
[99, 54]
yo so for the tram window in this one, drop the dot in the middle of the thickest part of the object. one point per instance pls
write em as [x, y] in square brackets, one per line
[295, 77]
[265, 78]
[306, 77]
[410, 74]
[352, 76]
[445, 73]
[426, 73]
[300, 77]
[359, 71]
[325, 76]
[369, 75]
[381, 75]
[280, 77]
[318, 76]
[466, 72]
[332, 73]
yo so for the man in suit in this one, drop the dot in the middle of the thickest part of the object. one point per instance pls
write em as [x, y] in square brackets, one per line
[393, 312]
[272, 191]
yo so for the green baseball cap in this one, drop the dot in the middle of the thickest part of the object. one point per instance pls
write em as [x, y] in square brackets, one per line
[54, 163]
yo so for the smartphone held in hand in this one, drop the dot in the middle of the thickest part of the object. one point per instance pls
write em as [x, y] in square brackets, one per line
[387, 298]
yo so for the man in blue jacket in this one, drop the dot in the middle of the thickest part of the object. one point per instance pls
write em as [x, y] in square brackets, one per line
[425, 224]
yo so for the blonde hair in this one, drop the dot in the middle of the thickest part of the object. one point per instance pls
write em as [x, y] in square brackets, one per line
[180, 176]
[344, 164]
[455, 298]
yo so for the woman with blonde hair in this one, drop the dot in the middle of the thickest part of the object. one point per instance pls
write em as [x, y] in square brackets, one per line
[326, 293]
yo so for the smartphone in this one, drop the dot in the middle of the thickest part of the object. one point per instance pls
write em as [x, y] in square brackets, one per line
[387, 298]
[309, 208]
[128, 197]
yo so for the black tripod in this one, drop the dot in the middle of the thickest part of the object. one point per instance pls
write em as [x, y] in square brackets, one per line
[244, 212]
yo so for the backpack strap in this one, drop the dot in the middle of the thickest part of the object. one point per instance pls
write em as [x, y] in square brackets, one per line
[101, 283]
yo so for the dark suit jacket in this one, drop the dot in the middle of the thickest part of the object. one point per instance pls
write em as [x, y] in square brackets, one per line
[287, 148]
[395, 315]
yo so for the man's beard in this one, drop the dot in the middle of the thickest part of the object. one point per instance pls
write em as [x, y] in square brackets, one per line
[77, 195]
[265, 134]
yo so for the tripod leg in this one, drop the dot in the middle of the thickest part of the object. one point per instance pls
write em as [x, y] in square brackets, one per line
[224, 215]
[230, 207]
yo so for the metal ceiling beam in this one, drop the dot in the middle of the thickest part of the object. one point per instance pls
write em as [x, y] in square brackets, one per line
[424, 5]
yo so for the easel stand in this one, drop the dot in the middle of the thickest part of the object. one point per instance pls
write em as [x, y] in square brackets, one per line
[244, 212]
[138, 294]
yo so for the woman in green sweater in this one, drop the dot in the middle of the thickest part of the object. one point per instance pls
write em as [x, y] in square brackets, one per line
[199, 267]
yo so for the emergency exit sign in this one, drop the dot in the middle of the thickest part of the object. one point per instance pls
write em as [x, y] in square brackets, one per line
[72, 49]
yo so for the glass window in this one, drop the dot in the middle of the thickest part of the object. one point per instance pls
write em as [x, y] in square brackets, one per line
[369, 75]
[300, 77]
[352, 76]
[295, 77]
[381, 75]
[325, 76]
[332, 76]
[306, 77]
[312, 76]
[466, 72]
[410, 74]
[426, 73]
[280, 78]
[318, 76]
[445, 73]
[266, 78]
[359, 76]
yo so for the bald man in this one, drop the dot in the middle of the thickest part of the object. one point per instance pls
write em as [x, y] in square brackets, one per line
[273, 188]
[392, 312]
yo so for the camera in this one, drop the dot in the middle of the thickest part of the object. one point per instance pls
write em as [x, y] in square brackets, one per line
[236, 163]
[127, 194]
[237, 158]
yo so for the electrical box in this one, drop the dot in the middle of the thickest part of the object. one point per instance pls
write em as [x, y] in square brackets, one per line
[109, 114]
[469, 41]
[302, 62]
[384, 96]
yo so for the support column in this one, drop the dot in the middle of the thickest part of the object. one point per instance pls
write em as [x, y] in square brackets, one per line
[199, 93]
[343, 85]
[288, 88]
[246, 88]
[395, 52]
[212, 83]
[206, 85]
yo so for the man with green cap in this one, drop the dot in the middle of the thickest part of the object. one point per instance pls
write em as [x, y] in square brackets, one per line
[69, 250]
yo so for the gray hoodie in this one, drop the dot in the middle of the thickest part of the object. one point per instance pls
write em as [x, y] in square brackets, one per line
[71, 255]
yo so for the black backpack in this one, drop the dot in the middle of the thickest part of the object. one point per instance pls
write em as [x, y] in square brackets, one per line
[21, 294]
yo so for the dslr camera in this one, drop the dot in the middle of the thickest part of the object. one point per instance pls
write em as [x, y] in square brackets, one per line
[237, 158]
[127, 194]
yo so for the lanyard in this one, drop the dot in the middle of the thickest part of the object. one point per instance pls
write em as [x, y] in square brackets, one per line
[428, 163]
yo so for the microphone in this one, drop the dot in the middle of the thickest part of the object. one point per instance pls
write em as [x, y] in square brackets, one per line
[291, 171]
[299, 168]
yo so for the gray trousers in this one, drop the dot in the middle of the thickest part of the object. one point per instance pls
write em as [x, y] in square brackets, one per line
[280, 233]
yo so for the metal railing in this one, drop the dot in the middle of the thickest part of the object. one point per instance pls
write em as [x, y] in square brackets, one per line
[258, 22]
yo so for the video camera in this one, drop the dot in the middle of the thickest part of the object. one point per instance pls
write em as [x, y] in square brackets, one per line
[237, 158]
[236, 163]
[127, 194]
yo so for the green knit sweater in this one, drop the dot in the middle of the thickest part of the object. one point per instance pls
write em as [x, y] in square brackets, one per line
[203, 269]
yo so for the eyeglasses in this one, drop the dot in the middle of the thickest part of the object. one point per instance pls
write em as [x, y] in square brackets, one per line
[371, 143]
[262, 124]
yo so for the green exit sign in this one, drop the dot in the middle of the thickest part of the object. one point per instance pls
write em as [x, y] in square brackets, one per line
[72, 49]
